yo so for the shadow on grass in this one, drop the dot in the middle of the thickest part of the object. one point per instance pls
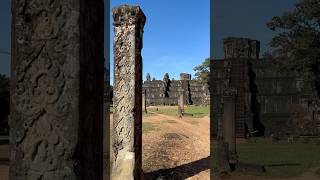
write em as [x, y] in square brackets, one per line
[4, 161]
[181, 172]
[282, 164]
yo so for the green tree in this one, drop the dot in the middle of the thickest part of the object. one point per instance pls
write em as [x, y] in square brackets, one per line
[202, 71]
[298, 31]
[296, 45]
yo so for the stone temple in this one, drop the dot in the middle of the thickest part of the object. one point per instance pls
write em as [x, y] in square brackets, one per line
[167, 92]
[268, 101]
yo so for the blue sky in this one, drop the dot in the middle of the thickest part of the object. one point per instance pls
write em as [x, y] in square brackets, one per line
[5, 36]
[245, 18]
[176, 35]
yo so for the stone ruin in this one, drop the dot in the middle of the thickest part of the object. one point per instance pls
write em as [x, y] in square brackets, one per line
[167, 92]
[269, 101]
[127, 101]
[56, 84]
[59, 124]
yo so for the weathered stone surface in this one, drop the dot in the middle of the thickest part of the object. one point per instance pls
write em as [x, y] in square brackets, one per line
[106, 124]
[167, 92]
[267, 99]
[185, 76]
[144, 104]
[222, 157]
[241, 48]
[57, 89]
[229, 111]
[181, 101]
[127, 126]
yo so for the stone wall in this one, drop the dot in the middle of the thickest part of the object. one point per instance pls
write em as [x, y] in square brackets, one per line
[167, 92]
[273, 102]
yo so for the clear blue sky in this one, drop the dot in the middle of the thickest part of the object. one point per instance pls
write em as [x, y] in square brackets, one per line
[5, 36]
[177, 32]
[245, 18]
[176, 35]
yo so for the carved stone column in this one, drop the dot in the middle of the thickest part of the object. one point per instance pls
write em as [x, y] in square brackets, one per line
[127, 126]
[229, 107]
[56, 90]
[144, 102]
[181, 101]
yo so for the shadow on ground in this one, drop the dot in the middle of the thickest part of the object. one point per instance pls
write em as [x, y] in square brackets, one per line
[180, 172]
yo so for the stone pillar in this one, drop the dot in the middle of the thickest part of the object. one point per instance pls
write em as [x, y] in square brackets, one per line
[127, 118]
[229, 123]
[181, 101]
[144, 103]
[56, 90]
[106, 125]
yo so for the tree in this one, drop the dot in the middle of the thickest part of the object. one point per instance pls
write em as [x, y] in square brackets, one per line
[296, 47]
[202, 71]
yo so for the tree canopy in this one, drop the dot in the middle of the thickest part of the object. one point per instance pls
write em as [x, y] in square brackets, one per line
[202, 71]
[297, 41]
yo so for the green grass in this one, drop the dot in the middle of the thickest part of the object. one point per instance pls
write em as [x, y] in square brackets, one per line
[166, 111]
[197, 111]
[301, 157]
[147, 127]
[147, 114]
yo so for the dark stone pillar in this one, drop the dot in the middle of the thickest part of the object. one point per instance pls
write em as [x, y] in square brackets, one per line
[106, 125]
[57, 89]
[181, 101]
[229, 107]
[144, 102]
[127, 118]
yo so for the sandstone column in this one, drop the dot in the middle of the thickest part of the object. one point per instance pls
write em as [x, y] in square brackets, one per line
[127, 118]
[181, 101]
[144, 103]
[56, 90]
[229, 123]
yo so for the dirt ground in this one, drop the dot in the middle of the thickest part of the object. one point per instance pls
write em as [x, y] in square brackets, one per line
[177, 148]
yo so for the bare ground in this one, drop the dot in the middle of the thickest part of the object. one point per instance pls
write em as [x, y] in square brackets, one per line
[177, 148]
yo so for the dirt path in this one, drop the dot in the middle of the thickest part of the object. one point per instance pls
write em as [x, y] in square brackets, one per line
[177, 148]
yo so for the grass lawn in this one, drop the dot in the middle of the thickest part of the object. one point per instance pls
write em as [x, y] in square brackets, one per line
[284, 159]
[146, 114]
[147, 127]
[197, 111]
